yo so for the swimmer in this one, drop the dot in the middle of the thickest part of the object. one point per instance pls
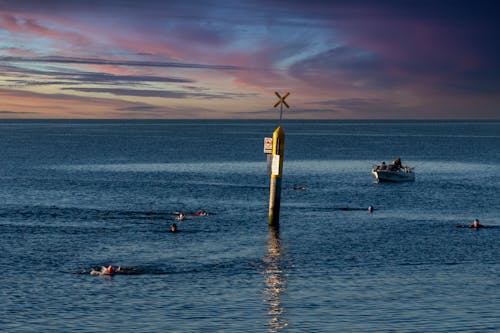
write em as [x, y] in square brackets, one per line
[173, 228]
[200, 213]
[180, 217]
[370, 209]
[108, 270]
[104, 271]
[476, 224]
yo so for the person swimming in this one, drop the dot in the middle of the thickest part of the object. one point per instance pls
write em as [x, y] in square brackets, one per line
[200, 213]
[370, 209]
[173, 228]
[111, 271]
[475, 224]
[180, 217]
[104, 270]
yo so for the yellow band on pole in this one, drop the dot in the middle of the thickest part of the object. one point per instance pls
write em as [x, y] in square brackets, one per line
[278, 154]
[279, 148]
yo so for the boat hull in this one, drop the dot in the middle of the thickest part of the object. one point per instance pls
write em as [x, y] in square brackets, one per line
[393, 176]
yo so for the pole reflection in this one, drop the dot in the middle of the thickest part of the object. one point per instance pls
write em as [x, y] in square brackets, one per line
[275, 282]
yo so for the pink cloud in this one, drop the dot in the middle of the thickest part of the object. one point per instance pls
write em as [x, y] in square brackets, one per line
[37, 26]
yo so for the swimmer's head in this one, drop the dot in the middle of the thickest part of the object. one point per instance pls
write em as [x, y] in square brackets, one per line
[110, 268]
[370, 209]
[475, 224]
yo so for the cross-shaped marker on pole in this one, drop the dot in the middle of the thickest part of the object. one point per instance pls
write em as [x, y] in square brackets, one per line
[281, 102]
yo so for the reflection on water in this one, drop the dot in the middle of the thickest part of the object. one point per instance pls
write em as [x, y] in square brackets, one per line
[275, 282]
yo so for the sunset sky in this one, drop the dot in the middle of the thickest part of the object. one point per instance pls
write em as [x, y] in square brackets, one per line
[359, 59]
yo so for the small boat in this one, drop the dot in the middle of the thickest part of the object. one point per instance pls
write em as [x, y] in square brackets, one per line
[394, 172]
[404, 174]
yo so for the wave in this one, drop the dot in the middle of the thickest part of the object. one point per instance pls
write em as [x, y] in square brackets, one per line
[74, 213]
[175, 167]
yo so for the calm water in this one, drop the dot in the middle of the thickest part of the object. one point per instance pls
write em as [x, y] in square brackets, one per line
[75, 195]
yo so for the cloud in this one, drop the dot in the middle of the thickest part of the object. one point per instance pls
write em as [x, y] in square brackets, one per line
[145, 111]
[13, 113]
[48, 28]
[430, 47]
[130, 63]
[93, 77]
[70, 106]
[343, 68]
[35, 77]
[367, 107]
[338, 58]
[134, 92]
[157, 93]
[350, 103]
[138, 108]
[62, 105]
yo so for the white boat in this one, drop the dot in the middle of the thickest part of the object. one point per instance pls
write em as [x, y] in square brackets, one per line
[403, 174]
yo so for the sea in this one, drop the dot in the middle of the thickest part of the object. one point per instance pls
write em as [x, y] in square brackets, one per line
[76, 195]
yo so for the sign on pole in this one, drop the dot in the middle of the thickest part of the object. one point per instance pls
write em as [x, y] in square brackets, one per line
[282, 99]
[281, 102]
[268, 145]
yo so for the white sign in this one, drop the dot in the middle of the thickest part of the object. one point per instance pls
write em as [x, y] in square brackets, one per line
[268, 145]
[275, 169]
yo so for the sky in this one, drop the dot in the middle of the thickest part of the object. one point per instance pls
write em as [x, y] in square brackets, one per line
[338, 59]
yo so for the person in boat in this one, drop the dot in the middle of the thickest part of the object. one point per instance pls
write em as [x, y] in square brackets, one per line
[382, 166]
[475, 224]
[395, 165]
[173, 228]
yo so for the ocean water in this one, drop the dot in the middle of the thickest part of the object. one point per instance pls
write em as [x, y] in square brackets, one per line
[77, 195]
